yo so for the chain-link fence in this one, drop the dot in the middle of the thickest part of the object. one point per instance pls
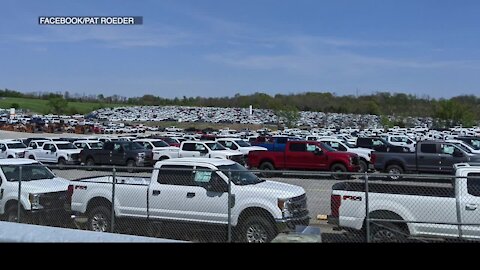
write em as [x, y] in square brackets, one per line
[220, 202]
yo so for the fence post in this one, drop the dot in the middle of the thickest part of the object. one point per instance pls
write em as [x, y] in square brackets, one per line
[229, 213]
[367, 210]
[114, 181]
[19, 203]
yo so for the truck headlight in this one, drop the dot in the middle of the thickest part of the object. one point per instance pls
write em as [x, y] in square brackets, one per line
[141, 155]
[34, 201]
[284, 205]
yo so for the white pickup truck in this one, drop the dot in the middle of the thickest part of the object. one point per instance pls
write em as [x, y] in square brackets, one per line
[363, 153]
[12, 149]
[209, 149]
[441, 211]
[160, 149]
[193, 191]
[42, 193]
[55, 152]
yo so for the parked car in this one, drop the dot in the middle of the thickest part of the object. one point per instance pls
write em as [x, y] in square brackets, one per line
[209, 149]
[420, 210]
[429, 157]
[161, 150]
[58, 152]
[12, 149]
[42, 195]
[193, 191]
[88, 144]
[305, 155]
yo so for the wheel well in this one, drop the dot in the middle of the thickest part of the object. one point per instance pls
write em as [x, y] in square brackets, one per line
[385, 214]
[10, 156]
[90, 157]
[394, 162]
[266, 160]
[97, 201]
[10, 203]
[364, 159]
[337, 163]
[254, 211]
[164, 157]
[62, 158]
[129, 159]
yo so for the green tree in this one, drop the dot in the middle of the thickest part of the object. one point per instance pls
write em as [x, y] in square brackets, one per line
[15, 105]
[57, 104]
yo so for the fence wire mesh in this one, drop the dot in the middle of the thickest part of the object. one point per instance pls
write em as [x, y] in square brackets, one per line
[231, 204]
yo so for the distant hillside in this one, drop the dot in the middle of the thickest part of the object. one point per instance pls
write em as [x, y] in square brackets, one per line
[458, 110]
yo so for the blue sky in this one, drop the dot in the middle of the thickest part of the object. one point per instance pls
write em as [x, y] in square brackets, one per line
[223, 47]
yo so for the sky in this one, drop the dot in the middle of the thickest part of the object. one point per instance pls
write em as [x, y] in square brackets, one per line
[216, 48]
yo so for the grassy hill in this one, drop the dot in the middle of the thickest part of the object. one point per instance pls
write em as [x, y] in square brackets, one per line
[41, 105]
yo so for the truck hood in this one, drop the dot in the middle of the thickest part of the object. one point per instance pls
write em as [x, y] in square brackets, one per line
[254, 148]
[72, 151]
[361, 151]
[280, 190]
[167, 148]
[227, 152]
[45, 186]
[18, 150]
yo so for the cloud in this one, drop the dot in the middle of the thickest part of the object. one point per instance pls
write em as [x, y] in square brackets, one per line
[111, 36]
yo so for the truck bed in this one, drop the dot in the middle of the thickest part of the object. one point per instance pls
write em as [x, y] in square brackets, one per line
[127, 180]
[415, 190]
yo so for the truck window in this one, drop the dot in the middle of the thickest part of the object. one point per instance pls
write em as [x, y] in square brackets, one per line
[282, 140]
[199, 147]
[188, 147]
[447, 149]
[108, 146]
[473, 184]
[298, 147]
[428, 148]
[176, 175]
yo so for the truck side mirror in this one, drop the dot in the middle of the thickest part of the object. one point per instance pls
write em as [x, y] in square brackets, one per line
[217, 185]
[53, 150]
[318, 152]
[457, 153]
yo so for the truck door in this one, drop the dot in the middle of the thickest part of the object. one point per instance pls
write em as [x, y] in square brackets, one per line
[188, 150]
[428, 159]
[3, 150]
[118, 155]
[469, 197]
[297, 156]
[171, 191]
[104, 156]
[449, 155]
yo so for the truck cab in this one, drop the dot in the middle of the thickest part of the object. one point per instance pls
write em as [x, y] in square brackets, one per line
[12, 149]
[209, 149]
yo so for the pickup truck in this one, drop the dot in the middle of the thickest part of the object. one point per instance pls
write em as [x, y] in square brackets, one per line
[193, 191]
[209, 149]
[126, 153]
[305, 155]
[275, 143]
[55, 152]
[161, 150]
[380, 145]
[427, 211]
[435, 157]
[42, 195]
[12, 149]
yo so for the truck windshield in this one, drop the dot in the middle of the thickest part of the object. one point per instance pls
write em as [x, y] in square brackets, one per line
[215, 146]
[160, 144]
[328, 147]
[240, 175]
[16, 145]
[66, 146]
[29, 173]
[96, 145]
[243, 143]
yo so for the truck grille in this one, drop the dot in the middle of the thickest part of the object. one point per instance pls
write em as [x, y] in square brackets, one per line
[298, 206]
[75, 156]
[53, 200]
[238, 158]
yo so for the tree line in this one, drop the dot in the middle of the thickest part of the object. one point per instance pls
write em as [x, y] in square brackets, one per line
[464, 109]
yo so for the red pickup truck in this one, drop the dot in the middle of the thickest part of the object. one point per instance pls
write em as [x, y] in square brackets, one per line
[305, 155]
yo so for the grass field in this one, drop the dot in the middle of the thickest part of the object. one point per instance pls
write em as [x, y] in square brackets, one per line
[41, 106]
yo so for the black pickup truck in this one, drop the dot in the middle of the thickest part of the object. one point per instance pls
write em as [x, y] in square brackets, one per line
[436, 157]
[126, 153]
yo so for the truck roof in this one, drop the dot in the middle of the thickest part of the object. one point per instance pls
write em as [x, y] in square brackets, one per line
[17, 161]
[211, 161]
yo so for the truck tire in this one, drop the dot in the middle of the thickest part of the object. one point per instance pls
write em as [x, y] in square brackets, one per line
[130, 165]
[394, 172]
[257, 229]
[363, 166]
[387, 233]
[266, 166]
[61, 163]
[90, 163]
[99, 219]
[339, 168]
[11, 215]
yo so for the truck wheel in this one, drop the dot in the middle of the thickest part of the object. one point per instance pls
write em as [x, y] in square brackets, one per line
[266, 166]
[387, 233]
[339, 168]
[130, 165]
[11, 215]
[61, 163]
[99, 219]
[257, 229]
[90, 163]
[394, 172]
[363, 166]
